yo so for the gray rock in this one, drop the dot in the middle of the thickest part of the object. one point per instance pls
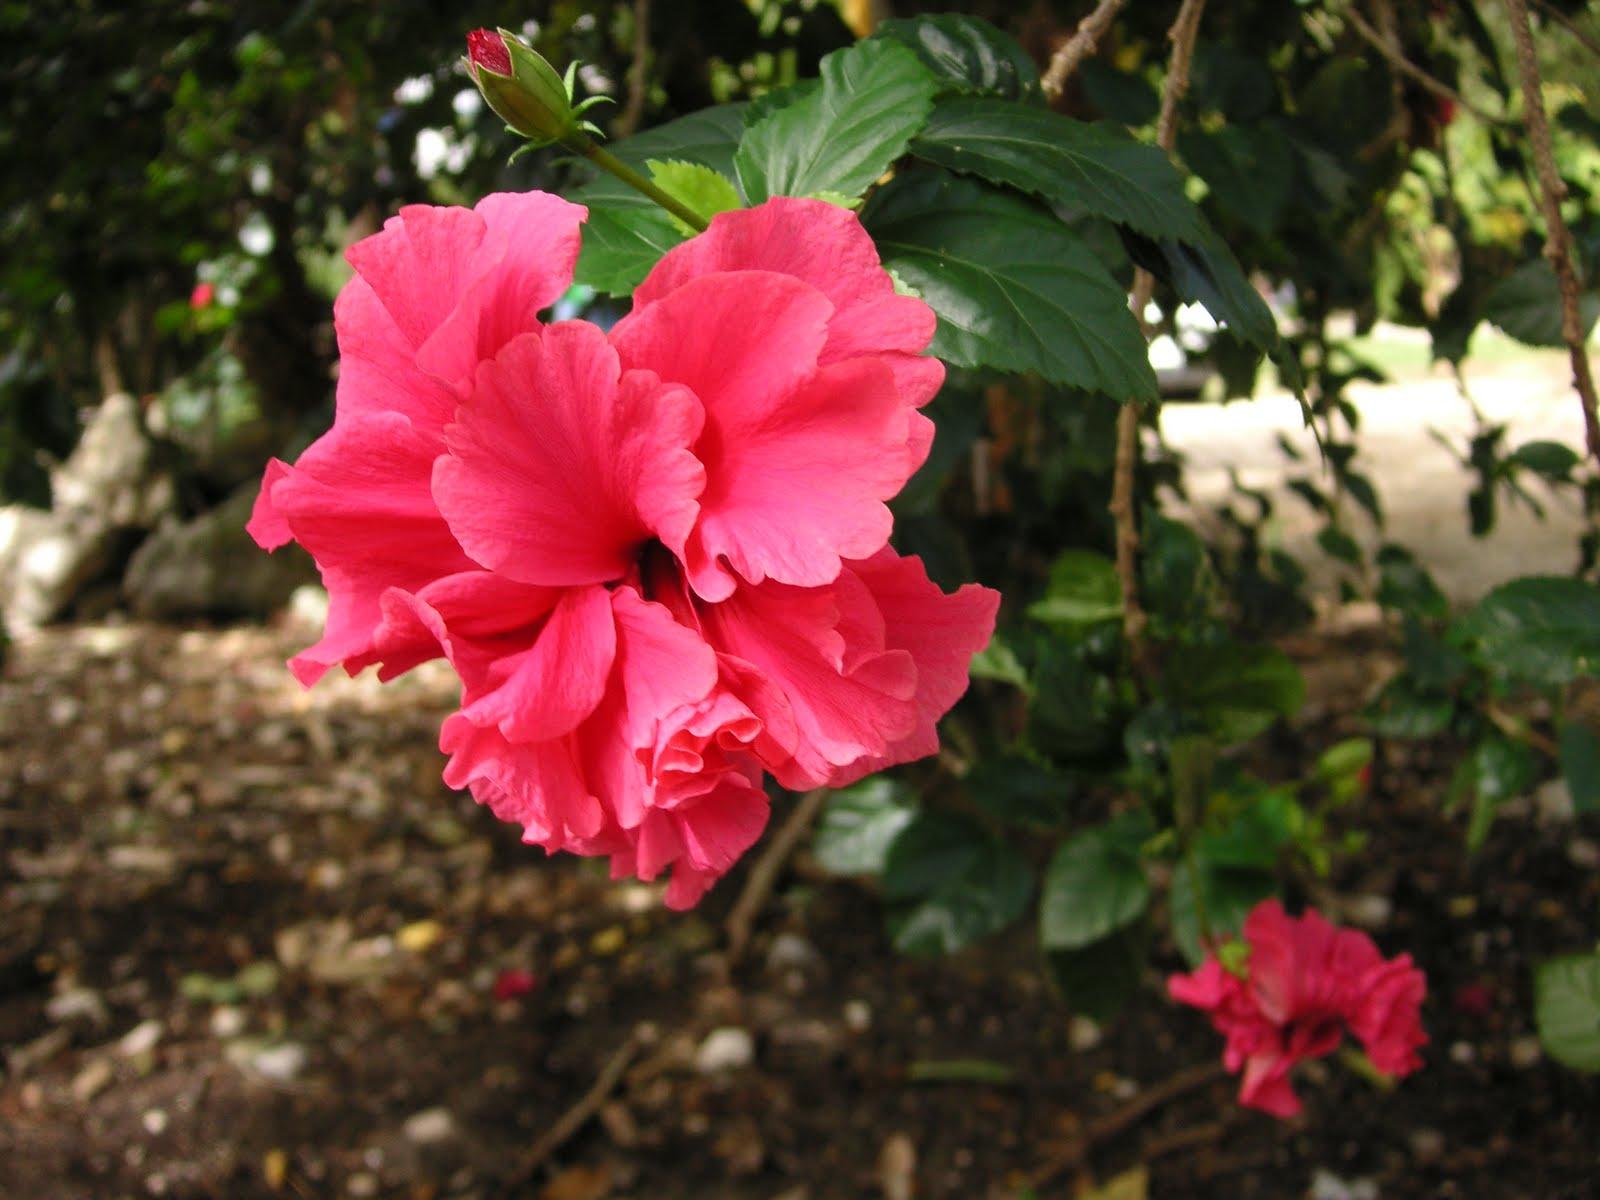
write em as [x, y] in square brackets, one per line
[725, 1049]
[109, 492]
[210, 566]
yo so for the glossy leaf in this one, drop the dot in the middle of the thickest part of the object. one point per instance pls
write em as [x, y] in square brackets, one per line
[1083, 589]
[859, 825]
[1014, 288]
[967, 54]
[989, 891]
[1076, 166]
[1095, 884]
[1567, 1008]
[1526, 305]
[1544, 629]
[842, 136]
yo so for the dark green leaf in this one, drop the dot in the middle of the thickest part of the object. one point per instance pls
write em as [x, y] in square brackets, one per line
[1097, 169]
[1542, 629]
[1020, 791]
[1336, 543]
[1237, 688]
[967, 54]
[1118, 95]
[1095, 884]
[932, 848]
[1083, 589]
[1403, 710]
[1554, 460]
[859, 825]
[1526, 305]
[1567, 1007]
[1404, 584]
[843, 136]
[1501, 770]
[989, 892]
[1098, 980]
[1174, 570]
[1580, 763]
[1229, 897]
[1249, 170]
[1235, 82]
[1204, 271]
[1014, 289]
[1076, 711]
[1253, 838]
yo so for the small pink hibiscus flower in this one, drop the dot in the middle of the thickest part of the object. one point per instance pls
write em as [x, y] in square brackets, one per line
[1305, 981]
[657, 559]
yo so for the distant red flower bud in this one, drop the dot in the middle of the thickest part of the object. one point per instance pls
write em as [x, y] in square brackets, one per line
[1444, 110]
[487, 49]
[202, 296]
[513, 984]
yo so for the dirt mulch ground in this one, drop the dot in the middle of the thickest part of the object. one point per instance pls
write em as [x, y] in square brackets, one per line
[250, 946]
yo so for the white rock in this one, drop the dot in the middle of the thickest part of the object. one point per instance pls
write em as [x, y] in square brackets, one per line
[141, 1039]
[430, 1126]
[1083, 1034]
[155, 1121]
[92, 1080]
[1525, 1052]
[281, 1063]
[857, 1016]
[725, 1049]
[78, 1004]
[791, 952]
[226, 1022]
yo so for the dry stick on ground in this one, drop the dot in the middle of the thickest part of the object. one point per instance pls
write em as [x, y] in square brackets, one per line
[1078, 47]
[741, 921]
[1558, 240]
[1408, 68]
[1185, 29]
[576, 1117]
[1188, 1080]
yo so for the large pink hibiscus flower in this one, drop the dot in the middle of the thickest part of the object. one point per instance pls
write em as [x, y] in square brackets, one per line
[656, 558]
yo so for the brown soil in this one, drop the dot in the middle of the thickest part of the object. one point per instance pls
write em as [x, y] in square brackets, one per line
[175, 812]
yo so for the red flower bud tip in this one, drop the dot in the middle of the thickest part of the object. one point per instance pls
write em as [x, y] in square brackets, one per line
[1364, 777]
[202, 296]
[513, 984]
[487, 49]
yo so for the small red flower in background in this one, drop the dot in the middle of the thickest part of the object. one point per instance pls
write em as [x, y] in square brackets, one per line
[1304, 983]
[202, 296]
[487, 49]
[514, 983]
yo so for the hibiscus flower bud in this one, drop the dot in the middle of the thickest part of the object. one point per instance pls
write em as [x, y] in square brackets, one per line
[522, 88]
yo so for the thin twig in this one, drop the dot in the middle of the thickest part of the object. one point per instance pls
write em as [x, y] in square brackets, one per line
[628, 119]
[1553, 13]
[1078, 47]
[1410, 69]
[1188, 1080]
[1184, 1139]
[758, 886]
[1185, 29]
[1558, 240]
[576, 1117]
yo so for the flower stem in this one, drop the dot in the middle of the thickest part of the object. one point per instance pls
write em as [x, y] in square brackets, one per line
[606, 161]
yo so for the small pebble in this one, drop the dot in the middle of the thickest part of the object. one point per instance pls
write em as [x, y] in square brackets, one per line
[1083, 1034]
[226, 1022]
[155, 1121]
[725, 1049]
[430, 1126]
[1427, 1146]
[1525, 1052]
[141, 1039]
[857, 1016]
[92, 1080]
[362, 1184]
[78, 1004]
[282, 1063]
[791, 952]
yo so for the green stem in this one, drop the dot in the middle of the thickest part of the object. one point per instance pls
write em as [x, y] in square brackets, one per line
[606, 161]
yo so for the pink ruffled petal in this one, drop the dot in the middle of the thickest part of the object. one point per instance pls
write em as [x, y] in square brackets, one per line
[940, 632]
[358, 500]
[847, 701]
[558, 472]
[826, 247]
[378, 369]
[544, 691]
[538, 785]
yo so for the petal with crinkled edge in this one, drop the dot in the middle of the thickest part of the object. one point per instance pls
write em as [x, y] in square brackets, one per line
[558, 470]
[825, 246]
[799, 459]
[358, 500]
